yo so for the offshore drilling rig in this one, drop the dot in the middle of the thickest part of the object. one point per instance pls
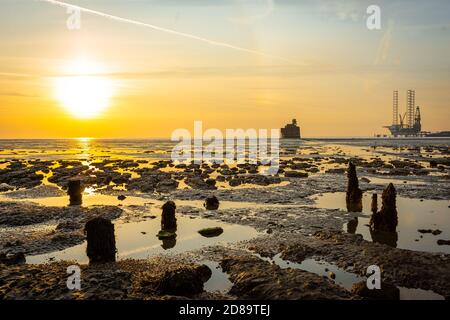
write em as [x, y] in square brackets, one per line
[407, 124]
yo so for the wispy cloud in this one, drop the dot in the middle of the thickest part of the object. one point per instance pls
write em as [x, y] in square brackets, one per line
[162, 29]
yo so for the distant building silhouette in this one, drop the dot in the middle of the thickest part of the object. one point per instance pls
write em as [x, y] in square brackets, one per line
[291, 131]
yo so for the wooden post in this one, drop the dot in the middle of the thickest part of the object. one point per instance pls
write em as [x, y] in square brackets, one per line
[101, 242]
[354, 194]
[75, 192]
[387, 218]
[168, 219]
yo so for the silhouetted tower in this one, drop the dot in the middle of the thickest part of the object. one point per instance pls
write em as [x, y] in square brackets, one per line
[410, 105]
[417, 119]
[395, 109]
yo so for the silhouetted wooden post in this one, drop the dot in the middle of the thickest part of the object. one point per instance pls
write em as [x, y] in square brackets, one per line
[374, 204]
[168, 219]
[101, 242]
[354, 194]
[212, 203]
[75, 192]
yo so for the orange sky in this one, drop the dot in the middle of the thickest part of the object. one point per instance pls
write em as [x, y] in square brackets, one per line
[337, 78]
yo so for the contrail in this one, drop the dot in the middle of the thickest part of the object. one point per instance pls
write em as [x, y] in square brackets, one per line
[178, 33]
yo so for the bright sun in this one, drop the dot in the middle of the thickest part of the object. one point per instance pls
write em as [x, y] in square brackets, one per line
[84, 95]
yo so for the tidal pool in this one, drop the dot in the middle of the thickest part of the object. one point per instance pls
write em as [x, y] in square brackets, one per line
[98, 199]
[138, 240]
[219, 280]
[346, 279]
[413, 214]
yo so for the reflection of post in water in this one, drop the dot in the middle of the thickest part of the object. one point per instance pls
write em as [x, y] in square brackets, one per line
[383, 224]
[352, 225]
[169, 243]
[354, 194]
[388, 238]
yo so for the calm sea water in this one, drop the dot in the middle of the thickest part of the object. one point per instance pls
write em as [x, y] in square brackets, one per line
[161, 148]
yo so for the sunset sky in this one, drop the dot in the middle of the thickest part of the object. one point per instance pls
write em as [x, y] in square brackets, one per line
[318, 63]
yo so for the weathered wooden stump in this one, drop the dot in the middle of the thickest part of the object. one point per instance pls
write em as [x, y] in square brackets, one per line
[387, 218]
[168, 219]
[75, 192]
[211, 203]
[354, 194]
[101, 242]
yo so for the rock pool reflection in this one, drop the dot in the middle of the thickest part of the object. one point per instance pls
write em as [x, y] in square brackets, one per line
[138, 240]
[413, 214]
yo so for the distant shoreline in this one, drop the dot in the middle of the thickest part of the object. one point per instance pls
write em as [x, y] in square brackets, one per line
[302, 139]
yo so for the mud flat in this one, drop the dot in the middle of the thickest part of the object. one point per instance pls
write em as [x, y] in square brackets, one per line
[288, 236]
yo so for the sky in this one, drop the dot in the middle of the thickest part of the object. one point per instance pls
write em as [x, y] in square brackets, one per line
[313, 60]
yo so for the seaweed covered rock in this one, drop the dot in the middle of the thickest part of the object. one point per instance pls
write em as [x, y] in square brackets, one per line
[12, 258]
[354, 194]
[184, 281]
[211, 232]
[101, 242]
[211, 203]
[165, 234]
[386, 292]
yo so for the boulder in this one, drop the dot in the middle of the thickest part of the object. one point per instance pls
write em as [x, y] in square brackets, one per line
[386, 292]
[211, 232]
[184, 281]
[211, 203]
[295, 174]
[12, 258]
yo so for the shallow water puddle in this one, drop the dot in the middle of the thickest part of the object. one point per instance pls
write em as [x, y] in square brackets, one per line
[93, 199]
[413, 214]
[321, 268]
[138, 240]
[386, 181]
[346, 279]
[219, 280]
